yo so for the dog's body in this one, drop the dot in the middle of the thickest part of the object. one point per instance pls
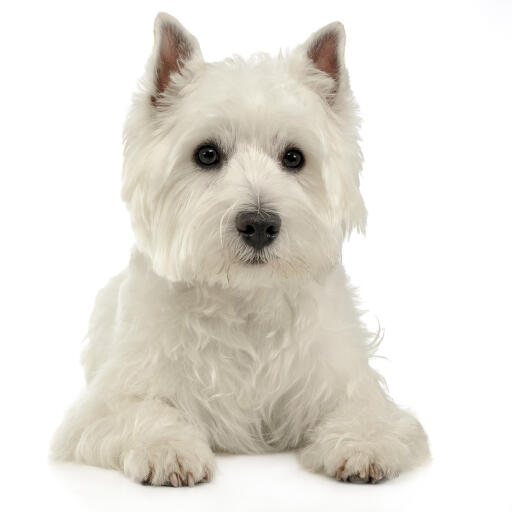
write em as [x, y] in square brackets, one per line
[234, 328]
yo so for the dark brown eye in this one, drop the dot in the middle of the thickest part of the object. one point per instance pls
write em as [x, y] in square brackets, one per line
[293, 159]
[207, 155]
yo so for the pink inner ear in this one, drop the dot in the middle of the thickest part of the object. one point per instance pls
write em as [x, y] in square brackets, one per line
[324, 54]
[174, 50]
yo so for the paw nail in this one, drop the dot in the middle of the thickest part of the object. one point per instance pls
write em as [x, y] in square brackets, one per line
[339, 473]
[147, 480]
[190, 480]
[174, 480]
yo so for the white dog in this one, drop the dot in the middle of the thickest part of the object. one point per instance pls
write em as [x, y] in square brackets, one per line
[234, 327]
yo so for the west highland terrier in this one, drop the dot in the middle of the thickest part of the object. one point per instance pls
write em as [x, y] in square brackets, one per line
[234, 327]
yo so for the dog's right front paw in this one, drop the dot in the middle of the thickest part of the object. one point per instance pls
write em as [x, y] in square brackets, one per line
[174, 464]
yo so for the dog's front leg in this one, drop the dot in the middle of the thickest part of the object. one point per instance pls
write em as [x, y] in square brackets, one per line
[147, 439]
[366, 437]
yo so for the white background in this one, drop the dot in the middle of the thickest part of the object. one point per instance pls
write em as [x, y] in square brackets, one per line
[434, 83]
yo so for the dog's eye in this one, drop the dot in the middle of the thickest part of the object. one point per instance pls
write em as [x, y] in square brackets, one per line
[207, 155]
[293, 159]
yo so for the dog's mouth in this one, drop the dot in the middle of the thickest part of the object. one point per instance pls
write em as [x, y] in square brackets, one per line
[257, 258]
[245, 255]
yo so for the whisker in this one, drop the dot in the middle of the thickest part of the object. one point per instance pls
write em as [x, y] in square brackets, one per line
[222, 221]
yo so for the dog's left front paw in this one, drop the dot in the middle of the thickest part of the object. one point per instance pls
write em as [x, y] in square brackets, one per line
[348, 462]
[360, 468]
[370, 459]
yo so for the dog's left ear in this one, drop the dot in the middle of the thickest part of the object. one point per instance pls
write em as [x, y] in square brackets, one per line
[325, 52]
[174, 50]
[321, 65]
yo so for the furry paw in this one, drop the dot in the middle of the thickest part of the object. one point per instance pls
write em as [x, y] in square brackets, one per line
[371, 459]
[176, 465]
[360, 469]
[349, 463]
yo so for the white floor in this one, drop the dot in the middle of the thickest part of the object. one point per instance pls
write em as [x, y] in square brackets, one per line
[259, 483]
[245, 483]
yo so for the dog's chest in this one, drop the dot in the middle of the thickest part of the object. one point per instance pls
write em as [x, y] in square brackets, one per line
[249, 373]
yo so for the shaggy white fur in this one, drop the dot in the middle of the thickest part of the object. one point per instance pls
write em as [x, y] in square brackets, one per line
[206, 343]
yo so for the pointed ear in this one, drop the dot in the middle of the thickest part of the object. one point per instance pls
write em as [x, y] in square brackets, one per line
[325, 50]
[174, 48]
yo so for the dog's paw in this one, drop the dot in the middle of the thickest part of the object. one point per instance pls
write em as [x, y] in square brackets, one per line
[360, 468]
[352, 450]
[173, 464]
[350, 463]
[369, 461]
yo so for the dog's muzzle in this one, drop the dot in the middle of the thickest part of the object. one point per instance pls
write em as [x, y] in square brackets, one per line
[258, 229]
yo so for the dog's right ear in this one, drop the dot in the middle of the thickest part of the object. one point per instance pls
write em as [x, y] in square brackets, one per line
[174, 49]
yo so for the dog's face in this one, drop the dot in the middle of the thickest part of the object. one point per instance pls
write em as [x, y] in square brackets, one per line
[243, 173]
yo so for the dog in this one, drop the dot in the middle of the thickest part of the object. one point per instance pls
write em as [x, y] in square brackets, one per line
[234, 327]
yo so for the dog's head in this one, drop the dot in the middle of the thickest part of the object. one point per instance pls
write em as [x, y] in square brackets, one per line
[243, 172]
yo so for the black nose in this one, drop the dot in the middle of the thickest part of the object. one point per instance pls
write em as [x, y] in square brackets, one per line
[258, 229]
